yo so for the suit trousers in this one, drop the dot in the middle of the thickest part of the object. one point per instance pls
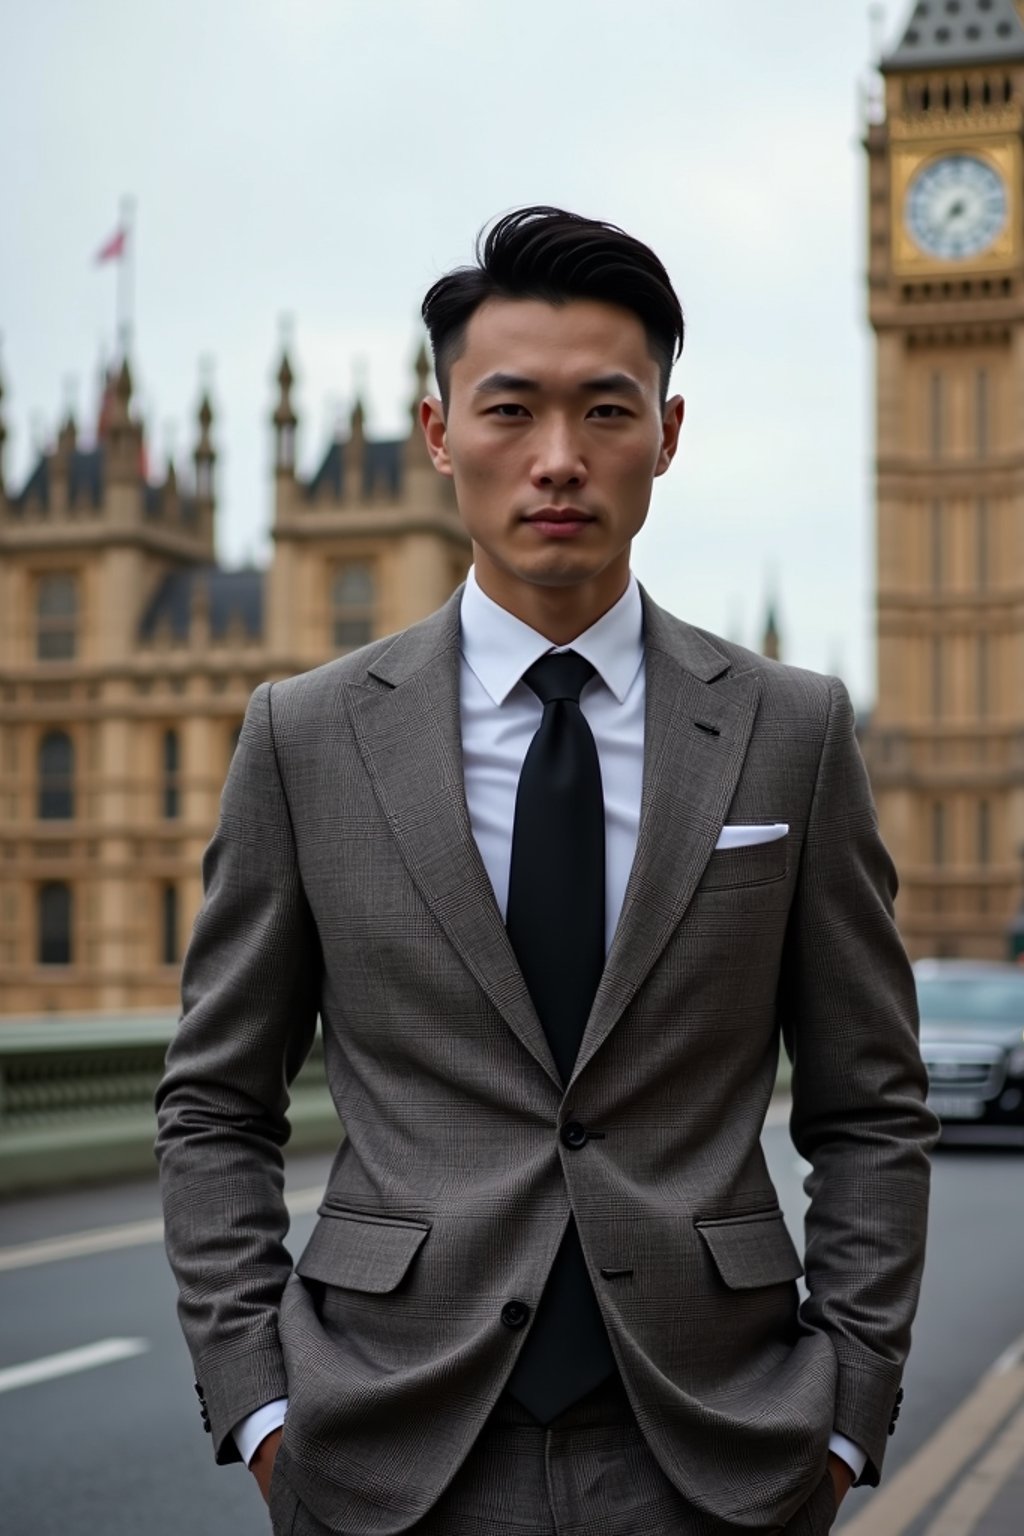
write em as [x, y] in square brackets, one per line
[587, 1473]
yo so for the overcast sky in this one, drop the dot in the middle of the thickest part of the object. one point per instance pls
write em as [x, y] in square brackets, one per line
[325, 160]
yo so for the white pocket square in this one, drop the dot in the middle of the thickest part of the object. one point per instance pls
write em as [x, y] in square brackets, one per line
[748, 837]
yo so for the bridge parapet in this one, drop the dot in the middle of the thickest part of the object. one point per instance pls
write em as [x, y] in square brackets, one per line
[76, 1097]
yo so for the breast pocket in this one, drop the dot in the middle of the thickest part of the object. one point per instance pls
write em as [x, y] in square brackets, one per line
[759, 864]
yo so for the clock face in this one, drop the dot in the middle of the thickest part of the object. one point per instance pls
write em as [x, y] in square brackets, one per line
[956, 207]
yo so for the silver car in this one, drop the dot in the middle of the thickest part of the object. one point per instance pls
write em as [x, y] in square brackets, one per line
[972, 1041]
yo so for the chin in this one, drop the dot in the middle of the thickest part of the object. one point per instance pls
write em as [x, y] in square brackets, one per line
[560, 571]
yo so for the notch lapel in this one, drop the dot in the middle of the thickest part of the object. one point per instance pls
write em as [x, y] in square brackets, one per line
[690, 775]
[409, 736]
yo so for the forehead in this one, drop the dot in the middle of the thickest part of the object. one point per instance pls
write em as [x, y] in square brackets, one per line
[555, 344]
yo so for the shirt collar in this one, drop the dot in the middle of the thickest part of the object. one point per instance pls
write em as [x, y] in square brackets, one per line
[499, 648]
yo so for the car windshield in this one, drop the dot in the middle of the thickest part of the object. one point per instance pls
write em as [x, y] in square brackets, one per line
[972, 999]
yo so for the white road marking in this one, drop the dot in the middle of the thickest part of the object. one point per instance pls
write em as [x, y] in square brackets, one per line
[105, 1352]
[131, 1234]
[99, 1240]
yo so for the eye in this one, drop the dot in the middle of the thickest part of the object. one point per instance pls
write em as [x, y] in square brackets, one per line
[506, 406]
[619, 410]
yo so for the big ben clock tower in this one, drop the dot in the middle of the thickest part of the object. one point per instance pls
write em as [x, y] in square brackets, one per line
[946, 301]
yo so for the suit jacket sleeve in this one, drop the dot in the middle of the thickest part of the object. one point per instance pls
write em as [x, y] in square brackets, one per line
[849, 1019]
[250, 990]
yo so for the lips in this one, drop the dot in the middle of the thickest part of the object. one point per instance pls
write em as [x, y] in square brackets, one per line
[560, 523]
[559, 515]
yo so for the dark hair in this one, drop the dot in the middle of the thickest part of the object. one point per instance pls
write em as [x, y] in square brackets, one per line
[549, 254]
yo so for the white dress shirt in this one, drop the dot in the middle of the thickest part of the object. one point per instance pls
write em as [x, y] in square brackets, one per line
[500, 715]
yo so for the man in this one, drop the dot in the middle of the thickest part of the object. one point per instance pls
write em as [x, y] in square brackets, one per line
[554, 868]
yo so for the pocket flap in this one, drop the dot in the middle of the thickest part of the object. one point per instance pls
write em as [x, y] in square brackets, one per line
[360, 1252]
[752, 1250]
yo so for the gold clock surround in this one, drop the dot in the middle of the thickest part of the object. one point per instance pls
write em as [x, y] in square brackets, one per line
[908, 259]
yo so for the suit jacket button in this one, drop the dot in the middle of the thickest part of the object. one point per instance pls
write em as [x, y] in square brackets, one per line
[573, 1135]
[514, 1314]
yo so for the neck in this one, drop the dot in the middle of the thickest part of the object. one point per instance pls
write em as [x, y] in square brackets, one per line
[560, 614]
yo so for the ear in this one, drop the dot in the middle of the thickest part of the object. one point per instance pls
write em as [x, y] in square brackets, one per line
[671, 425]
[435, 433]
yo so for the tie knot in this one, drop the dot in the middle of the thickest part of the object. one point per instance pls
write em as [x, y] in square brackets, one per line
[559, 676]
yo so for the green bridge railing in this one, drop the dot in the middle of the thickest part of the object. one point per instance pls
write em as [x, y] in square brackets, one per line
[76, 1098]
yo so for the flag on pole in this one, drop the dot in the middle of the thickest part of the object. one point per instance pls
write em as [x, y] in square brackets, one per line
[113, 250]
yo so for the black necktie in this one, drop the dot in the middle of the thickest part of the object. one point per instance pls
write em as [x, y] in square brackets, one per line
[555, 920]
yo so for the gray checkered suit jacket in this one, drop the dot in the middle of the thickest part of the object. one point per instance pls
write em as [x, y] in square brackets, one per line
[343, 880]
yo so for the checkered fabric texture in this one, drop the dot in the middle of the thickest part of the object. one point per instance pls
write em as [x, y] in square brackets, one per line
[343, 880]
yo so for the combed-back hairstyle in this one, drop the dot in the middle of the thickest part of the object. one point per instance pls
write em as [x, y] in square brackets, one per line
[549, 254]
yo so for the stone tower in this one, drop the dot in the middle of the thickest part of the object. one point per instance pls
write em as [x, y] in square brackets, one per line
[946, 302]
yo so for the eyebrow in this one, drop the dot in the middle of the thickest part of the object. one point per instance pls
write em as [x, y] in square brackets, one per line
[514, 383]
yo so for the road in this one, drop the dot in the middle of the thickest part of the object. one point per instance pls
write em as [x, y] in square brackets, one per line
[105, 1439]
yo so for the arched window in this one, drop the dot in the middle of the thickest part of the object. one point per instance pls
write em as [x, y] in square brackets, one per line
[353, 594]
[169, 948]
[55, 924]
[56, 801]
[172, 765]
[56, 618]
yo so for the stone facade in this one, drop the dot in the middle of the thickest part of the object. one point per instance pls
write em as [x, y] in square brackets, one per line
[127, 656]
[946, 300]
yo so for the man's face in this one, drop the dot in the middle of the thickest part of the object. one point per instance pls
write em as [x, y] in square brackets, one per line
[553, 436]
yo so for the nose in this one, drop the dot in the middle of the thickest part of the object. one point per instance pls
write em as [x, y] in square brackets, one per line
[558, 461]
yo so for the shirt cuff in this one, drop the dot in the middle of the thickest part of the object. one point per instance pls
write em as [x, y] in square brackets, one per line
[251, 1432]
[847, 1451]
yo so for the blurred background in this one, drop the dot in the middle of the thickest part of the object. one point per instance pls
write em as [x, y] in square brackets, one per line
[220, 223]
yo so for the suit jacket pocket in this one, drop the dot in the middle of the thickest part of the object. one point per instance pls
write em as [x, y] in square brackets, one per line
[360, 1252]
[757, 864]
[750, 1251]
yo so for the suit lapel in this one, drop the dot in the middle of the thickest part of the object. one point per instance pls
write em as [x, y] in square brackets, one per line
[698, 717]
[407, 727]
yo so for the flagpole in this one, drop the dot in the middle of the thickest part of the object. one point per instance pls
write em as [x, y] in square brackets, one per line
[126, 277]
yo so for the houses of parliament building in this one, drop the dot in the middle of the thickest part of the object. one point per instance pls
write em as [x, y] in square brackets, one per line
[127, 655]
